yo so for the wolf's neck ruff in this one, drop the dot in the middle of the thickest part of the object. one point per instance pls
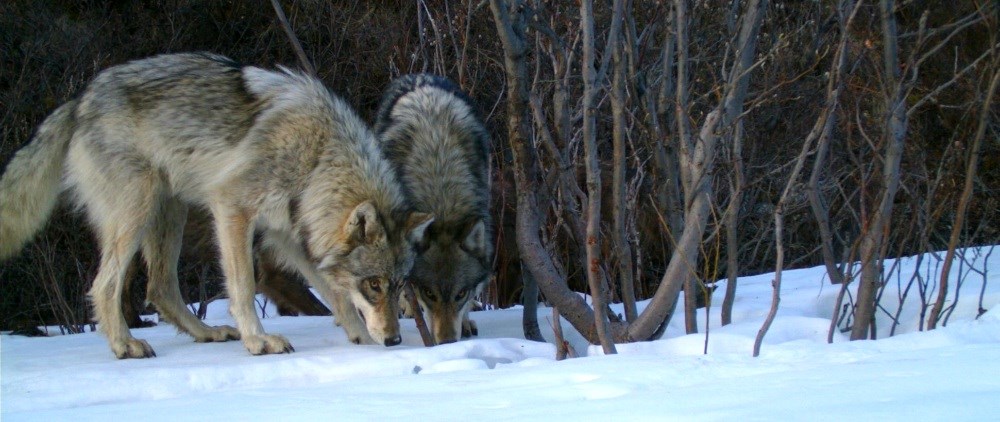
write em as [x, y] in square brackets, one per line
[347, 166]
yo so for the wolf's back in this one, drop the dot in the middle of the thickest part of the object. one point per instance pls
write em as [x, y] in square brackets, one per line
[30, 186]
[433, 135]
[406, 84]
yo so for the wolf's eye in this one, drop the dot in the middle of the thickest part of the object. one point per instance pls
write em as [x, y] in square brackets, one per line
[461, 295]
[429, 294]
[374, 285]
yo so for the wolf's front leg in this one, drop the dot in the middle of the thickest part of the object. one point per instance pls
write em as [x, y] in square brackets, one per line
[235, 233]
[469, 327]
[344, 312]
[347, 314]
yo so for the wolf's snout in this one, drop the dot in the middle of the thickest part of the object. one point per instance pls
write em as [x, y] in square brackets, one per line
[393, 341]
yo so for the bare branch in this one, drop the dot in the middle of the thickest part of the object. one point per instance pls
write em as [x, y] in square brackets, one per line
[592, 245]
[301, 54]
[418, 315]
[965, 199]
[930, 96]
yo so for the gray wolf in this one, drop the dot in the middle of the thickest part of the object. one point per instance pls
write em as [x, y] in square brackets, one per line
[267, 151]
[432, 135]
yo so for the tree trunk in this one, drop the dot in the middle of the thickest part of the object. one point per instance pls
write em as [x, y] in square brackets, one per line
[673, 204]
[692, 285]
[846, 10]
[697, 162]
[732, 224]
[529, 299]
[510, 23]
[873, 237]
[621, 244]
[593, 240]
[697, 156]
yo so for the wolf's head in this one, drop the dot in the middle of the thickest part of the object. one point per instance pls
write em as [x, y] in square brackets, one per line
[452, 267]
[374, 253]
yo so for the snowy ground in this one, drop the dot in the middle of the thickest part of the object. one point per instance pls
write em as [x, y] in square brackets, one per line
[947, 374]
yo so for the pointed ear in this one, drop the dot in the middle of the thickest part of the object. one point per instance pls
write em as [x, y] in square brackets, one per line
[363, 225]
[416, 226]
[475, 240]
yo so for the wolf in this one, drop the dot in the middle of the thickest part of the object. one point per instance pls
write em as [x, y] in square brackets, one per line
[439, 147]
[271, 151]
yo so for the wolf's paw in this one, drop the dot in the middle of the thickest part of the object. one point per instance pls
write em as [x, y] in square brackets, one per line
[218, 334]
[132, 348]
[267, 344]
[357, 333]
[362, 338]
[469, 328]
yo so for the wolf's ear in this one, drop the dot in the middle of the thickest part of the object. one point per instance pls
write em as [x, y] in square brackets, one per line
[475, 239]
[363, 225]
[416, 226]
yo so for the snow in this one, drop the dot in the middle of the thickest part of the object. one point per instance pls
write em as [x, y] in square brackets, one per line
[950, 373]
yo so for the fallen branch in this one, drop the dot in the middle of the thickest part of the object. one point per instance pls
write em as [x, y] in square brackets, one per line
[418, 315]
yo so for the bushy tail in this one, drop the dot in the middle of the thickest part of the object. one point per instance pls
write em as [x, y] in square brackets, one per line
[29, 189]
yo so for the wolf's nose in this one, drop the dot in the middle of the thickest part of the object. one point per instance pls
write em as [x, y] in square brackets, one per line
[393, 341]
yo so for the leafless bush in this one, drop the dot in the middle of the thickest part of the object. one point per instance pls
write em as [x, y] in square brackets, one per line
[645, 123]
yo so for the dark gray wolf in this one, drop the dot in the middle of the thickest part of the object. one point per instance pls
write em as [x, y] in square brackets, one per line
[432, 135]
[272, 151]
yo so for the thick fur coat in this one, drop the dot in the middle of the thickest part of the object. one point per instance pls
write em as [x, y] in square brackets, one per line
[267, 151]
[440, 150]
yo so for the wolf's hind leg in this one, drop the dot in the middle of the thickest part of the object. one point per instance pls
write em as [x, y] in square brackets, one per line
[119, 230]
[106, 294]
[161, 248]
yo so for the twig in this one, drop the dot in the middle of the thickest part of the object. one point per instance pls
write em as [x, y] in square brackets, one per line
[303, 60]
[982, 290]
[418, 315]
[965, 199]
[563, 348]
